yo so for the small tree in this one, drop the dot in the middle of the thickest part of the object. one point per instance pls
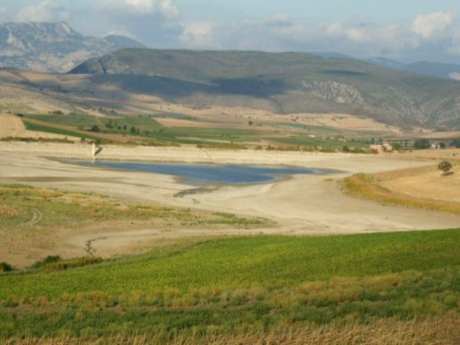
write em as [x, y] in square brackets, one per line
[422, 144]
[5, 267]
[446, 168]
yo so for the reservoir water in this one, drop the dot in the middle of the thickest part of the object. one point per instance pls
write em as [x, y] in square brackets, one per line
[202, 174]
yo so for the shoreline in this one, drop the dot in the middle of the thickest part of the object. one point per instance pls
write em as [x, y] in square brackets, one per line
[183, 154]
[299, 205]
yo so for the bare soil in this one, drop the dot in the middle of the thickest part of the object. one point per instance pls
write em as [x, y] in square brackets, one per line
[300, 205]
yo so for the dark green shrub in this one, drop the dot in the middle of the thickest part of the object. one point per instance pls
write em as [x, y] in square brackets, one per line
[47, 261]
[5, 267]
[63, 265]
[455, 143]
[422, 144]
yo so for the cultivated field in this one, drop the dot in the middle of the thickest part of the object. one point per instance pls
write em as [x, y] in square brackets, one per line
[247, 288]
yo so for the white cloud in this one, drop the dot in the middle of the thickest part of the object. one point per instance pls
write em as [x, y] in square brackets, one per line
[352, 33]
[433, 25]
[454, 48]
[44, 11]
[198, 35]
[143, 7]
[159, 23]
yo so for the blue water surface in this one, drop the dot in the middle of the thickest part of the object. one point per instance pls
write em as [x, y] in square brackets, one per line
[213, 173]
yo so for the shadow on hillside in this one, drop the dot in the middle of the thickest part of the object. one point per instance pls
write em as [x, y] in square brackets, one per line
[172, 88]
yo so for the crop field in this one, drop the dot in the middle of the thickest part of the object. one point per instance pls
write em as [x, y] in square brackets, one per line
[146, 130]
[248, 288]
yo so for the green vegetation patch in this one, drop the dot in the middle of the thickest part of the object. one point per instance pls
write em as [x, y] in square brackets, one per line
[240, 285]
[30, 208]
[327, 144]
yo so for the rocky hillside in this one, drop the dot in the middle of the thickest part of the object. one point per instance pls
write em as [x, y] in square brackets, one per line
[284, 82]
[52, 47]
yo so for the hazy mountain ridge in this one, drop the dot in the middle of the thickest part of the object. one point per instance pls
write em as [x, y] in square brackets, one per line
[289, 82]
[427, 68]
[53, 47]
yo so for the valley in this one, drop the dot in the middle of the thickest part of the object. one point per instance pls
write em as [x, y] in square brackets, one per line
[220, 197]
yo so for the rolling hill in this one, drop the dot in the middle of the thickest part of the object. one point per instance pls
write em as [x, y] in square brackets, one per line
[286, 82]
[427, 68]
[226, 84]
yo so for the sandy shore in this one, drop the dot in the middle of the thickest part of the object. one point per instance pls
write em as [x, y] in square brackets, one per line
[299, 205]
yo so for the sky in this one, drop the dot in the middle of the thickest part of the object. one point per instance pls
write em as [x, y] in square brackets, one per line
[406, 30]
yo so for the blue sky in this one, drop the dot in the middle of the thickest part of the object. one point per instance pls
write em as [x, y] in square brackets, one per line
[378, 10]
[406, 30]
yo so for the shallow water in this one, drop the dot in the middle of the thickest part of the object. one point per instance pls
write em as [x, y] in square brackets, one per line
[202, 174]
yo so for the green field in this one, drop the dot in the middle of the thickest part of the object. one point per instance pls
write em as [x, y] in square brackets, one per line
[146, 130]
[241, 285]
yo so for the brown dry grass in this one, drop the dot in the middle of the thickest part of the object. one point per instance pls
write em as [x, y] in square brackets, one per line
[6, 211]
[416, 187]
[440, 331]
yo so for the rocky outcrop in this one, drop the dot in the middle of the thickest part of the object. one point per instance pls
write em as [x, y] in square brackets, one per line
[335, 92]
[53, 47]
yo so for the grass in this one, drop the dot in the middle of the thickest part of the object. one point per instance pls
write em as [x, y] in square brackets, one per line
[140, 129]
[36, 222]
[369, 187]
[329, 144]
[440, 331]
[145, 130]
[57, 208]
[241, 287]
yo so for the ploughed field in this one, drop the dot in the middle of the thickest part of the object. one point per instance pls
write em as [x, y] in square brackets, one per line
[404, 286]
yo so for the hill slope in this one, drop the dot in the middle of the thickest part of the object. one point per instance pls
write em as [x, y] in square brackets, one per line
[433, 69]
[287, 82]
[52, 47]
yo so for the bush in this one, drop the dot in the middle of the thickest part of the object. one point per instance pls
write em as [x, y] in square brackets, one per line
[422, 144]
[56, 263]
[5, 267]
[63, 265]
[47, 261]
[445, 167]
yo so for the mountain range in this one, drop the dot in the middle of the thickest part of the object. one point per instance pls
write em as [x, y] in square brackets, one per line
[104, 77]
[285, 82]
[53, 47]
[433, 69]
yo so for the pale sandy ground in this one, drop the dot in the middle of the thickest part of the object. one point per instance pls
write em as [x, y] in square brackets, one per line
[427, 185]
[299, 205]
[12, 127]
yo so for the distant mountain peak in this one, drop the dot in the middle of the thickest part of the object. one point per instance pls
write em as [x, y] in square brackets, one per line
[53, 47]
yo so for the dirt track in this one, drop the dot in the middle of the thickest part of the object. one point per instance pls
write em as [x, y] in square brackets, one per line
[300, 205]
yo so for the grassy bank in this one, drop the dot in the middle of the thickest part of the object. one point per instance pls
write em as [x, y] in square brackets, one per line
[38, 222]
[244, 287]
[27, 207]
[372, 187]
